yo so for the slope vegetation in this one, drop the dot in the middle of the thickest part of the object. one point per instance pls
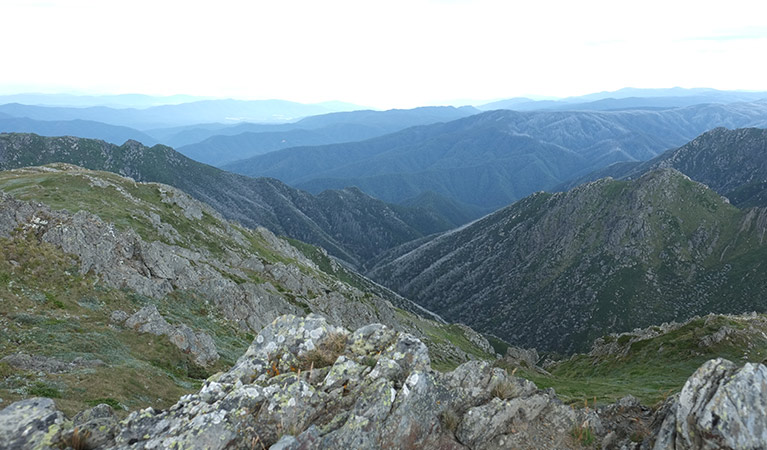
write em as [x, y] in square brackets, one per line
[556, 271]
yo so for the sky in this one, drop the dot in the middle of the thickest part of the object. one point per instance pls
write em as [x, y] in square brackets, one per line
[382, 54]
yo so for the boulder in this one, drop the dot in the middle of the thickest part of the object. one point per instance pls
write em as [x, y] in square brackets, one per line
[33, 423]
[721, 406]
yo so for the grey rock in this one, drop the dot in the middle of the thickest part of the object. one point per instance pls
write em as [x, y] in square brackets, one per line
[720, 406]
[95, 428]
[118, 316]
[519, 423]
[526, 358]
[149, 320]
[34, 423]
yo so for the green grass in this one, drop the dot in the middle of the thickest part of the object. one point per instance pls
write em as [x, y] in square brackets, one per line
[40, 389]
[653, 368]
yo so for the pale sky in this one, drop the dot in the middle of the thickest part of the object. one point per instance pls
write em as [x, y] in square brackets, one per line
[384, 54]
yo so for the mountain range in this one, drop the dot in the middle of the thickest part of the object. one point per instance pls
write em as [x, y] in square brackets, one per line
[629, 98]
[169, 115]
[81, 128]
[348, 223]
[245, 140]
[492, 159]
[123, 295]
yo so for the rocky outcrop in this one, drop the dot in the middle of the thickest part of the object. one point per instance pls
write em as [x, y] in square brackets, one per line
[200, 345]
[34, 423]
[304, 384]
[720, 407]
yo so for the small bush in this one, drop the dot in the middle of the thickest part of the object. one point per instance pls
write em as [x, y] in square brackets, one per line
[196, 372]
[335, 343]
[40, 389]
[79, 439]
[6, 370]
[369, 361]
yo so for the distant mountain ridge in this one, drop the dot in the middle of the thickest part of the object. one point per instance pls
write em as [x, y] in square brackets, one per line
[80, 128]
[267, 202]
[202, 111]
[112, 101]
[627, 98]
[492, 159]
[731, 162]
[554, 271]
[236, 142]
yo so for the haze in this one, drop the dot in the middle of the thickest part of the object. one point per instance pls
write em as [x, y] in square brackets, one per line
[400, 53]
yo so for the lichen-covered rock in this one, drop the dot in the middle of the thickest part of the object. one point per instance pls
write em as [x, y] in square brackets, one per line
[93, 428]
[720, 407]
[34, 423]
[537, 421]
[306, 384]
[280, 342]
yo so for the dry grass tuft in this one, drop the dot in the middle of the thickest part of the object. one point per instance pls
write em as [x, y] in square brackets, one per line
[325, 354]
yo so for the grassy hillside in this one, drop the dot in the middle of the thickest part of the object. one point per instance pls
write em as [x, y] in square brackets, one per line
[653, 363]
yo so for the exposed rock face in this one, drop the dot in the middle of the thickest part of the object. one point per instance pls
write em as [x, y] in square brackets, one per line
[199, 344]
[720, 407]
[304, 383]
